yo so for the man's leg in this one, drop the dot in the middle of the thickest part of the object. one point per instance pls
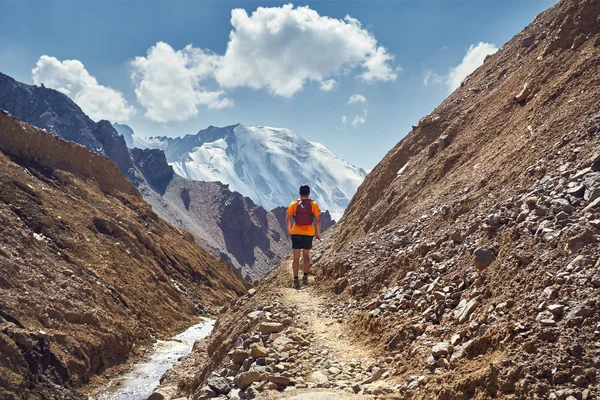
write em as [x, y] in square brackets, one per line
[296, 262]
[306, 259]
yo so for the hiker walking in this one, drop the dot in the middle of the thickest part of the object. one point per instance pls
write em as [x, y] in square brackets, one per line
[306, 215]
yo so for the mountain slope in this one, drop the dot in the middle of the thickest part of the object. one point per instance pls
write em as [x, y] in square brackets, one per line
[225, 223]
[469, 259]
[266, 164]
[152, 176]
[88, 272]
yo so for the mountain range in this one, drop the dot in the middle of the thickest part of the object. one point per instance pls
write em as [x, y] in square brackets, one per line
[264, 163]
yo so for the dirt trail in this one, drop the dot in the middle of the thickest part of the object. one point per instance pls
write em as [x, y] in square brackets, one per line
[330, 336]
[328, 331]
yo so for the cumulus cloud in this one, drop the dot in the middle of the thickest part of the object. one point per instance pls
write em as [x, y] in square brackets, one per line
[470, 62]
[71, 78]
[357, 98]
[168, 82]
[278, 49]
[281, 48]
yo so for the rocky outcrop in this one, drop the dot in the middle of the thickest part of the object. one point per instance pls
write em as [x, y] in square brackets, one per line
[88, 273]
[153, 166]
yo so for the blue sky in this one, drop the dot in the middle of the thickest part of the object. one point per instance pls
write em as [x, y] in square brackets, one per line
[300, 73]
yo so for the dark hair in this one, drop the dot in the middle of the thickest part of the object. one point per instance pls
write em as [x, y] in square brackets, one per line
[304, 190]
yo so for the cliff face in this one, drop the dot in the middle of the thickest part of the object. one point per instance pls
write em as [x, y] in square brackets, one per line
[468, 262]
[88, 272]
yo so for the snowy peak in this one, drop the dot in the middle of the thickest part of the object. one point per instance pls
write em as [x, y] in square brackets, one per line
[264, 163]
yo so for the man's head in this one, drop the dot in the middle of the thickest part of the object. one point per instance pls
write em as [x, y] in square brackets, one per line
[304, 191]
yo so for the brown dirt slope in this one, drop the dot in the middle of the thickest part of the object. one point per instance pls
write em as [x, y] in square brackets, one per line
[88, 273]
[480, 227]
[469, 258]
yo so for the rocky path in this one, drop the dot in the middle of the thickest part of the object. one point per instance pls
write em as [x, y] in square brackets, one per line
[300, 349]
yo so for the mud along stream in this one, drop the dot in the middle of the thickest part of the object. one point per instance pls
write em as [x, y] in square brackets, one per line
[144, 377]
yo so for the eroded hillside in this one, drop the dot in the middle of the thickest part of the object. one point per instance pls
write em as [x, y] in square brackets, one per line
[88, 273]
[467, 262]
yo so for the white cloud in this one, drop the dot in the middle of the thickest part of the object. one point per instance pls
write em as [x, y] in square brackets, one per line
[470, 62]
[168, 82]
[328, 85]
[71, 78]
[357, 98]
[281, 48]
[361, 117]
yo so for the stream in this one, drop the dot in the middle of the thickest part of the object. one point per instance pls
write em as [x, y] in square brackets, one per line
[141, 381]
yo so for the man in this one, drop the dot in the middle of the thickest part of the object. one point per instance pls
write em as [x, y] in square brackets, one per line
[306, 215]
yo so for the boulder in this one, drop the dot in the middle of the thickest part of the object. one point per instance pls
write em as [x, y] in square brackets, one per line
[482, 257]
[219, 384]
[238, 356]
[442, 349]
[258, 351]
[245, 379]
[270, 327]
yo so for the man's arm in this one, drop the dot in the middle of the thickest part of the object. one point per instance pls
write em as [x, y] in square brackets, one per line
[288, 219]
[318, 231]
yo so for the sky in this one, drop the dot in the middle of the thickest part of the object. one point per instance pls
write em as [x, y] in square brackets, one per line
[353, 75]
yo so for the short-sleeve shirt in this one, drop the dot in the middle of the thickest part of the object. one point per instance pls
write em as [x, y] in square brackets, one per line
[308, 230]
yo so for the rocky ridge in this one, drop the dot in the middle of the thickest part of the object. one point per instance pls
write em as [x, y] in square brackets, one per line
[88, 273]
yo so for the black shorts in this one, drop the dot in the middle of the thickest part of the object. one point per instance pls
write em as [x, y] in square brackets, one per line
[302, 242]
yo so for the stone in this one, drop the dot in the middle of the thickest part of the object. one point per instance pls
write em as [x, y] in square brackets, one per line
[334, 371]
[442, 349]
[270, 327]
[464, 309]
[219, 384]
[592, 205]
[245, 379]
[524, 93]
[551, 293]
[483, 257]
[442, 362]
[576, 191]
[455, 340]
[319, 377]
[279, 380]
[595, 167]
[556, 309]
[238, 356]
[592, 194]
[258, 351]
[282, 343]
[251, 292]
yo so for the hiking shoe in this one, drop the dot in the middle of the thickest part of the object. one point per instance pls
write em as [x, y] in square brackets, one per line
[296, 284]
[305, 280]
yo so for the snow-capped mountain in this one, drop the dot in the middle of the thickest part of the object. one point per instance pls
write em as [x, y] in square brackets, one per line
[266, 164]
